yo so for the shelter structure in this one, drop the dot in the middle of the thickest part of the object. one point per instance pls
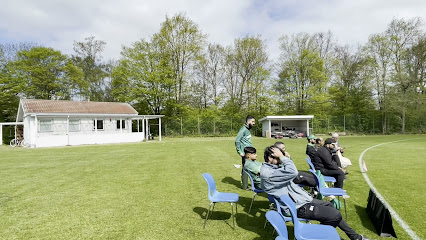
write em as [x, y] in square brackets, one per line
[49, 123]
[273, 126]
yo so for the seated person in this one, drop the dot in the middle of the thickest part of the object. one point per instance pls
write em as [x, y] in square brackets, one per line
[323, 161]
[252, 166]
[310, 148]
[319, 143]
[277, 180]
[344, 161]
[303, 178]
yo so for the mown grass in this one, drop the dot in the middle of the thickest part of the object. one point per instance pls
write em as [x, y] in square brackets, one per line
[155, 190]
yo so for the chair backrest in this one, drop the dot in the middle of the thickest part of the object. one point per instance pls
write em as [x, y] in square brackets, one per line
[292, 207]
[253, 187]
[317, 180]
[272, 199]
[278, 223]
[310, 163]
[210, 184]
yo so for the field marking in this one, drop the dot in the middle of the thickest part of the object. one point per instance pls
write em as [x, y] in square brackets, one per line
[395, 215]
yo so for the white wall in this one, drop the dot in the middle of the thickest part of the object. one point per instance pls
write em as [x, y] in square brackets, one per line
[86, 134]
[265, 127]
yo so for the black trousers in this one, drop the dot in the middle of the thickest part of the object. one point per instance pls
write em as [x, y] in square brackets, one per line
[338, 174]
[305, 179]
[328, 215]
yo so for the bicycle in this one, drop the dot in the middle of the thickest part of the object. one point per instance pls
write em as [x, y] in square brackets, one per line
[19, 143]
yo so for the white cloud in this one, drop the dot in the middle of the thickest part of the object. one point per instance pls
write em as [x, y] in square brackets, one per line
[59, 23]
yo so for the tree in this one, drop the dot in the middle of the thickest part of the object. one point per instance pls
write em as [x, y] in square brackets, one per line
[302, 77]
[246, 71]
[88, 58]
[181, 40]
[43, 73]
[143, 76]
[210, 72]
[402, 35]
[377, 50]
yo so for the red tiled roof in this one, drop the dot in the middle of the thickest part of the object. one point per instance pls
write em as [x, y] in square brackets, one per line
[63, 106]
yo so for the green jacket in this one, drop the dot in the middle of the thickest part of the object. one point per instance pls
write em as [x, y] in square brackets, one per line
[253, 168]
[243, 139]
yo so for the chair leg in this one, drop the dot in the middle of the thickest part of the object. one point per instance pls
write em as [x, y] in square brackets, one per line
[233, 216]
[252, 200]
[266, 220]
[346, 214]
[207, 216]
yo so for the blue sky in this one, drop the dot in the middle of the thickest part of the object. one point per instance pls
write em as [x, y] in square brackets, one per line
[59, 23]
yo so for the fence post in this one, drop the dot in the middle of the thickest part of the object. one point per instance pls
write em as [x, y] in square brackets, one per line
[231, 124]
[344, 123]
[199, 132]
[181, 130]
[214, 126]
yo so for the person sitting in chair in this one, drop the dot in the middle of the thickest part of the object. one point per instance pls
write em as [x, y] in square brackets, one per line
[252, 166]
[323, 161]
[277, 174]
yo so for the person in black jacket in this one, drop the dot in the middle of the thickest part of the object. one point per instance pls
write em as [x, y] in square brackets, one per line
[310, 148]
[324, 162]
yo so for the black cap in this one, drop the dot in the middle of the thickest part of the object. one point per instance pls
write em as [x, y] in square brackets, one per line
[329, 141]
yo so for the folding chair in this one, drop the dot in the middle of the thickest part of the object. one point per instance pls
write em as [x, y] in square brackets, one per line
[327, 179]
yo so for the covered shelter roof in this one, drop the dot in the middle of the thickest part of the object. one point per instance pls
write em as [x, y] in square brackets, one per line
[289, 117]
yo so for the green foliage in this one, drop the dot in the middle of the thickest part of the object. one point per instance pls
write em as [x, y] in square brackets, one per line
[143, 75]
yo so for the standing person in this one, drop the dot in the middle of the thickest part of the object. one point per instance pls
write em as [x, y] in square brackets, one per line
[324, 162]
[244, 140]
[276, 177]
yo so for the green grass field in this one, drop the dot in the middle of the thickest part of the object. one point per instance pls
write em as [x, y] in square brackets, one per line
[155, 190]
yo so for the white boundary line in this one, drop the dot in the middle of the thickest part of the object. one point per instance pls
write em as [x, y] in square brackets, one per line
[395, 215]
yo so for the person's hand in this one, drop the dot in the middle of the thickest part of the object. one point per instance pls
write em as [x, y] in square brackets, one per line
[343, 170]
[287, 154]
[276, 152]
[242, 154]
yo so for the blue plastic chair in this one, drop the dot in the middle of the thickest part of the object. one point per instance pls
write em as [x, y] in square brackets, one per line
[215, 196]
[278, 223]
[304, 231]
[327, 179]
[254, 189]
[330, 191]
[279, 210]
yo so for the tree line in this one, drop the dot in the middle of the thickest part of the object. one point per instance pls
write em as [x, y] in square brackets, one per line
[378, 87]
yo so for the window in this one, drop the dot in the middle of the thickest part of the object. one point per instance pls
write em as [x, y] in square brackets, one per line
[98, 124]
[123, 124]
[45, 126]
[74, 125]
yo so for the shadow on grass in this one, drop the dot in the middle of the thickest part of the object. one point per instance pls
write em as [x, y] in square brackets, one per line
[217, 215]
[232, 181]
[363, 216]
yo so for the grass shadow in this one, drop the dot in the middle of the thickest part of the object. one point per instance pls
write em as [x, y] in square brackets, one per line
[363, 216]
[217, 215]
[232, 181]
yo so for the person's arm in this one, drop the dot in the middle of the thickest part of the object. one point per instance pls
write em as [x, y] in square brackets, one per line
[327, 161]
[238, 142]
[286, 173]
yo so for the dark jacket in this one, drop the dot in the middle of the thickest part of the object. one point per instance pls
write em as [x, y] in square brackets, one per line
[323, 159]
[310, 151]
